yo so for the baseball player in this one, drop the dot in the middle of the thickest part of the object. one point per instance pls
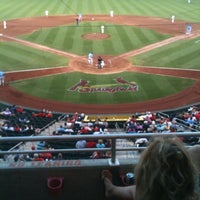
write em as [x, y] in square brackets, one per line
[80, 17]
[90, 58]
[173, 18]
[46, 13]
[4, 24]
[2, 78]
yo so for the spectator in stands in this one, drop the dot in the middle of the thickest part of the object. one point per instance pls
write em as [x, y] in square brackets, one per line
[160, 125]
[42, 113]
[131, 119]
[146, 126]
[46, 156]
[97, 121]
[96, 130]
[152, 127]
[24, 128]
[91, 144]
[99, 154]
[131, 127]
[167, 125]
[69, 123]
[65, 130]
[4, 126]
[81, 144]
[17, 128]
[41, 145]
[192, 109]
[81, 117]
[10, 127]
[197, 115]
[22, 158]
[60, 156]
[191, 120]
[75, 116]
[23, 118]
[19, 109]
[105, 123]
[37, 158]
[174, 126]
[49, 114]
[139, 127]
[85, 130]
[13, 108]
[61, 130]
[149, 116]
[165, 171]
[6, 112]
[90, 123]
[100, 144]
[141, 142]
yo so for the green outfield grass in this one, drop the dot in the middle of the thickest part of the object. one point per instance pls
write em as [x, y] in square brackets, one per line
[18, 57]
[69, 38]
[159, 8]
[57, 87]
[181, 54]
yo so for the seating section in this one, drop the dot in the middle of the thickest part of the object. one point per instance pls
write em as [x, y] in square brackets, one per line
[17, 121]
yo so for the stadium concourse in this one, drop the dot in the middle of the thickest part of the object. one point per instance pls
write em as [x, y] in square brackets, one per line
[119, 63]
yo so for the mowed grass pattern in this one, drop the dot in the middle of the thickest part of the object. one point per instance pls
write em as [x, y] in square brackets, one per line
[57, 87]
[159, 8]
[70, 38]
[171, 56]
[14, 57]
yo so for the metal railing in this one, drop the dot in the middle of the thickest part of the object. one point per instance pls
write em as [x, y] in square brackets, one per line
[112, 136]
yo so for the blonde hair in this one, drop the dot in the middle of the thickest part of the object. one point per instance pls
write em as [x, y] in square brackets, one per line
[165, 172]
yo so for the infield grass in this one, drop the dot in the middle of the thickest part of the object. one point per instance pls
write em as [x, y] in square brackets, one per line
[121, 38]
[57, 87]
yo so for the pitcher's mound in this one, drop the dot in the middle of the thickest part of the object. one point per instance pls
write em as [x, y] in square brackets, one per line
[95, 36]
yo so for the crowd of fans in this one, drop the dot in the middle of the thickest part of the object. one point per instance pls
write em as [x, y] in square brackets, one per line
[16, 119]
[191, 117]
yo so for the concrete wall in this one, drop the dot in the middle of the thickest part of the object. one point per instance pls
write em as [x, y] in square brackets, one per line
[81, 179]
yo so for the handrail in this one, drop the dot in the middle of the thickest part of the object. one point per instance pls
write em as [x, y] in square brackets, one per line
[112, 136]
[42, 129]
[101, 136]
[185, 124]
[163, 114]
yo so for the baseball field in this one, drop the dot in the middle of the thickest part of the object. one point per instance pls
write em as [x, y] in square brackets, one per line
[151, 62]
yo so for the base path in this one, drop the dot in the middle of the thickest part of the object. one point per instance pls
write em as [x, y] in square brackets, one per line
[114, 64]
